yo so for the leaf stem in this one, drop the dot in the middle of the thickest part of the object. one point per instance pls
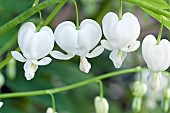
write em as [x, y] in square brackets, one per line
[70, 87]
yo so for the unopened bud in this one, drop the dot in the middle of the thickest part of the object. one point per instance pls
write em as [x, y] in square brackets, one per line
[139, 89]
[11, 69]
[2, 80]
[165, 105]
[167, 93]
[136, 105]
[101, 105]
[50, 110]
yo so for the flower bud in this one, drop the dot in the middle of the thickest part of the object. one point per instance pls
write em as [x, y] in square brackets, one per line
[1, 103]
[136, 105]
[101, 105]
[165, 105]
[50, 110]
[139, 89]
[11, 70]
[167, 93]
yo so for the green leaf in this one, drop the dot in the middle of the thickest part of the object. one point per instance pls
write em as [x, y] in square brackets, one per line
[157, 3]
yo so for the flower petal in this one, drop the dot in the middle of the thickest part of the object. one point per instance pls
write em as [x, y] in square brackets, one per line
[106, 44]
[84, 66]
[117, 58]
[148, 41]
[30, 69]
[61, 56]
[18, 56]
[43, 61]
[108, 19]
[133, 47]
[125, 31]
[89, 35]
[96, 52]
[24, 37]
[66, 37]
[42, 43]
[1, 103]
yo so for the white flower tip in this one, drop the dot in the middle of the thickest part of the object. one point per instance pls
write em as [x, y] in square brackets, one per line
[50, 110]
[30, 70]
[101, 105]
[84, 66]
[1, 103]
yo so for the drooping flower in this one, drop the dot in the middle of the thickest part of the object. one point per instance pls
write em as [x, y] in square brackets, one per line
[121, 36]
[78, 41]
[157, 58]
[50, 110]
[101, 105]
[34, 47]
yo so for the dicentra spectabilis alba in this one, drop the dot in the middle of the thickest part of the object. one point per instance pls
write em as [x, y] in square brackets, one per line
[34, 47]
[101, 105]
[78, 41]
[50, 110]
[121, 36]
[157, 58]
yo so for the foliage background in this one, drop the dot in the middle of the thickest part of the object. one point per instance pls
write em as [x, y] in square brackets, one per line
[117, 90]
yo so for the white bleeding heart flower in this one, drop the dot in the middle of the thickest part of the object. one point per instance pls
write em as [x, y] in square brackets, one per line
[50, 110]
[101, 105]
[121, 36]
[78, 42]
[34, 47]
[157, 58]
[1, 103]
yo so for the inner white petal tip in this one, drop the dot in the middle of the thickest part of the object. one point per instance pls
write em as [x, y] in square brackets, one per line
[30, 69]
[84, 66]
[18, 56]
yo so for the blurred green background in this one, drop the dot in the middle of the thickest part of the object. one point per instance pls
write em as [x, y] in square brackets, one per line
[117, 90]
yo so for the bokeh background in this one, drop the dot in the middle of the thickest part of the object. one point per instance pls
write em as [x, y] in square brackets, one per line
[117, 90]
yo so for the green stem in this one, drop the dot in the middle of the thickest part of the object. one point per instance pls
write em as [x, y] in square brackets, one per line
[72, 86]
[120, 10]
[101, 89]
[53, 14]
[77, 15]
[35, 2]
[53, 101]
[31, 11]
[149, 7]
[160, 32]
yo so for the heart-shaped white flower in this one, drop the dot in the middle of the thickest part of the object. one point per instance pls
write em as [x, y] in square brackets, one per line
[121, 36]
[34, 47]
[101, 105]
[78, 42]
[157, 58]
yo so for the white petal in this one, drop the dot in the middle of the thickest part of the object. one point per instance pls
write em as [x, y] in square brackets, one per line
[159, 56]
[133, 47]
[43, 61]
[117, 58]
[108, 19]
[106, 45]
[18, 56]
[84, 66]
[66, 37]
[125, 31]
[30, 69]
[89, 35]
[42, 43]
[101, 105]
[25, 36]
[96, 52]
[1, 103]
[148, 41]
[61, 56]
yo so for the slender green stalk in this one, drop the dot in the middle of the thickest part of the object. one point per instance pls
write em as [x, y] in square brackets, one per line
[77, 15]
[53, 101]
[160, 32]
[149, 7]
[35, 2]
[53, 14]
[72, 86]
[31, 11]
[101, 89]
[120, 10]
